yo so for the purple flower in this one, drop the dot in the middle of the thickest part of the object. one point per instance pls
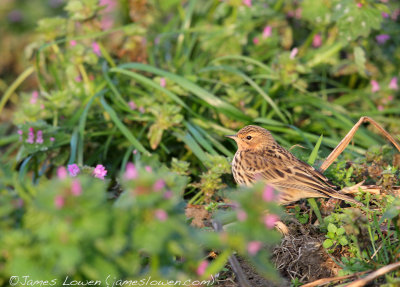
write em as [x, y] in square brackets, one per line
[59, 201]
[385, 15]
[160, 214]
[293, 53]
[253, 247]
[131, 171]
[73, 169]
[317, 41]
[15, 16]
[375, 86]
[268, 193]
[96, 48]
[99, 171]
[52, 139]
[393, 84]
[201, 269]
[158, 185]
[76, 188]
[270, 220]
[61, 172]
[382, 38]
[163, 82]
[267, 32]
[20, 132]
[39, 137]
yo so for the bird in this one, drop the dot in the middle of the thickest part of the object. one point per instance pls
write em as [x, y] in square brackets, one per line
[260, 157]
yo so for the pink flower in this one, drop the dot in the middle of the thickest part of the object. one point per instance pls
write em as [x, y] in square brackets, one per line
[241, 215]
[294, 52]
[42, 106]
[134, 151]
[163, 82]
[268, 193]
[96, 48]
[31, 136]
[375, 86]
[72, 43]
[158, 185]
[247, 3]
[201, 269]
[76, 188]
[382, 38]
[59, 201]
[52, 139]
[256, 41]
[393, 84]
[385, 15]
[270, 220]
[99, 171]
[390, 98]
[253, 247]
[141, 110]
[267, 32]
[20, 132]
[35, 96]
[132, 105]
[380, 108]
[61, 172]
[359, 5]
[148, 168]
[160, 214]
[168, 194]
[130, 172]
[317, 41]
[73, 169]
[78, 79]
[39, 137]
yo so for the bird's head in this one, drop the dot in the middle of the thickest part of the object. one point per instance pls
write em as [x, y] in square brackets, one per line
[252, 138]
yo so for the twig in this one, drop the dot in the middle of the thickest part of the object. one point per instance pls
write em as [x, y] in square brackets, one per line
[381, 271]
[324, 281]
[243, 282]
[346, 140]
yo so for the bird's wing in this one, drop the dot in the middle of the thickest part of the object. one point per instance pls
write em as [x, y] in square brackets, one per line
[285, 172]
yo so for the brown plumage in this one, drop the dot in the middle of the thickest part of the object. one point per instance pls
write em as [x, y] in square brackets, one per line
[260, 157]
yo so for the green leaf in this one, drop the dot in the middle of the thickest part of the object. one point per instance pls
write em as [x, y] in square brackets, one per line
[340, 231]
[343, 241]
[359, 58]
[327, 243]
[332, 228]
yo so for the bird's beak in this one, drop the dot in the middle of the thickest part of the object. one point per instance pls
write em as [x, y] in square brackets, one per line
[234, 137]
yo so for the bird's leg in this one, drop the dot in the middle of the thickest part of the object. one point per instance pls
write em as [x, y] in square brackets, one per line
[346, 140]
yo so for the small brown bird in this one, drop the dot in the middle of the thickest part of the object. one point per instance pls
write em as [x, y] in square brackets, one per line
[260, 157]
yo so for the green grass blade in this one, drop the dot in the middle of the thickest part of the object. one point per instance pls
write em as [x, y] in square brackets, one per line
[199, 138]
[193, 145]
[124, 130]
[314, 153]
[251, 83]
[201, 93]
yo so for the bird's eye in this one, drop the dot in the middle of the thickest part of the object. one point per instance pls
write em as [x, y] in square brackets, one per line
[249, 137]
